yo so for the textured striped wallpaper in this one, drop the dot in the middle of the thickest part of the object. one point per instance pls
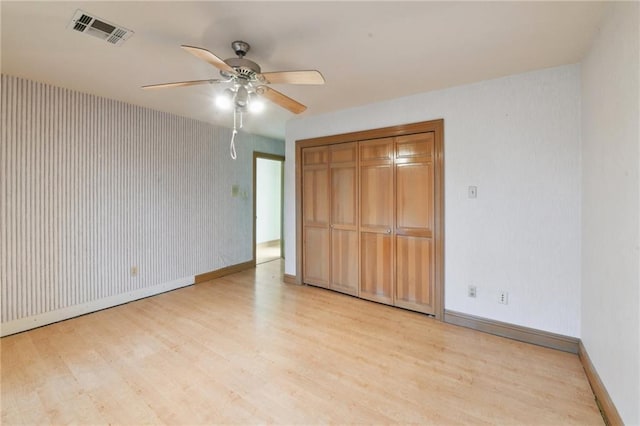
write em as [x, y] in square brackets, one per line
[90, 187]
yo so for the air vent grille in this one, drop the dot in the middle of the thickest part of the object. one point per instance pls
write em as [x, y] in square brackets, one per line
[81, 24]
[79, 27]
[117, 35]
[97, 27]
[85, 19]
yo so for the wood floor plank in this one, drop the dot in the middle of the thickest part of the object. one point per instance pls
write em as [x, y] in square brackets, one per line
[247, 348]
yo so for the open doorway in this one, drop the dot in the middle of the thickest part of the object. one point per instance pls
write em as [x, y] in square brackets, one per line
[268, 179]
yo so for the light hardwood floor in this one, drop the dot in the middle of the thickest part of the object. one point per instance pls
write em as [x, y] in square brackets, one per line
[248, 349]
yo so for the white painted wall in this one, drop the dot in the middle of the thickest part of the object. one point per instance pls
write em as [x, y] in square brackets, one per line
[268, 200]
[611, 207]
[518, 140]
[90, 187]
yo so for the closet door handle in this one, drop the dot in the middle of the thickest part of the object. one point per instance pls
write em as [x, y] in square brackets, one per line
[388, 231]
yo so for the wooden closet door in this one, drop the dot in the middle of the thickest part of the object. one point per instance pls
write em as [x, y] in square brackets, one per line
[343, 169]
[376, 220]
[414, 170]
[315, 216]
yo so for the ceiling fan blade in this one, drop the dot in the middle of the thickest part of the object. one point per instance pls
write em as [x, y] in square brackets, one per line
[280, 99]
[182, 84]
[293, 77]
[209, 57]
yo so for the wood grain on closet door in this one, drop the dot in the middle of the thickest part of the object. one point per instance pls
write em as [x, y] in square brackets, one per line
[315, 215]
[414, 190]
[376, 220]
[343, 172]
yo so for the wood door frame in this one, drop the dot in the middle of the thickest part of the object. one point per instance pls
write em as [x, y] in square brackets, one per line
[265, 156]
[436, 126]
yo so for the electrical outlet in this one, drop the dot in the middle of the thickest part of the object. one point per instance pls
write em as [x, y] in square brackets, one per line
[503, 297]
[471, 291]
[134, 271]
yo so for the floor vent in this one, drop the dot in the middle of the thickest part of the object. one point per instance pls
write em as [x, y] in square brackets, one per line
[85, 23]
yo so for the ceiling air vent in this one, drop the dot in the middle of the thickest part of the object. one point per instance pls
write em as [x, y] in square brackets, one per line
[88, 24]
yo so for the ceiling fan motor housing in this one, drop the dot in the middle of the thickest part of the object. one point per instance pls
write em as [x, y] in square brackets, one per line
[245, 68]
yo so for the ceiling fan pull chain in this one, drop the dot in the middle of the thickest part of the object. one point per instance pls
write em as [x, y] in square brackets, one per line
[232, 148]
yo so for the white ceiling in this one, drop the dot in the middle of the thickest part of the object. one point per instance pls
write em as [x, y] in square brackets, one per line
[367, 51]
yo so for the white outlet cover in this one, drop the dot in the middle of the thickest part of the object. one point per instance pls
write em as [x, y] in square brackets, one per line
[472, 291]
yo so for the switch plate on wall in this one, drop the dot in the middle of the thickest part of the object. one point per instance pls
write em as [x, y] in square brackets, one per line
[473, 191]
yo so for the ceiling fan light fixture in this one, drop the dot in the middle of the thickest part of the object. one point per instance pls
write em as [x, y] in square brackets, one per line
[225, 99]
[256, 105]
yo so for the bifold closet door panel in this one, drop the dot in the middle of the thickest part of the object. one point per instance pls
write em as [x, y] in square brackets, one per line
[376, 220]
[315, 216]
[415, 256]
[343, 166]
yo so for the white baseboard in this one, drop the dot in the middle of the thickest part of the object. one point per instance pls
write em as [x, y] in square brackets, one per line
[28, 323]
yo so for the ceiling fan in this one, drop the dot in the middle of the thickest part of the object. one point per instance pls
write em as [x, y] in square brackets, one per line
[247, 80]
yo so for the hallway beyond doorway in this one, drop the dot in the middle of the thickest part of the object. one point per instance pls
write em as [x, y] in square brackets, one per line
[267, 251]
